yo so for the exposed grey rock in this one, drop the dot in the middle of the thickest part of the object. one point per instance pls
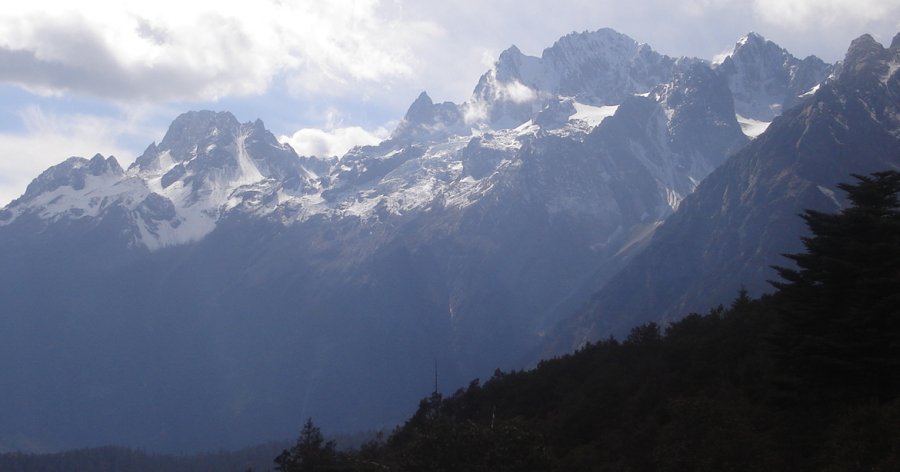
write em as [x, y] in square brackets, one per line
[766, 79]
[741, 219]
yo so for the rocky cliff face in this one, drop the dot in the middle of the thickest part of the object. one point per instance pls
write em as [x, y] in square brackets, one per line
[766, 79]
[740, 220]
[596, 68]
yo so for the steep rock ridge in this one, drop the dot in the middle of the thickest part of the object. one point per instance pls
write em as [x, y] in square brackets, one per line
[89, 191]
[74, 173]
[700, 112]
[209, 164]
[596, 68]
[744, 215]
[766, 79]
[604, 67]
[176, 191]
[428, 121]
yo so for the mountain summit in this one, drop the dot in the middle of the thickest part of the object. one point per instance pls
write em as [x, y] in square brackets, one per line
[597, 68]
[766, 79]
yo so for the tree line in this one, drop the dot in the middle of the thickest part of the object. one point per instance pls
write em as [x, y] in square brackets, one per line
[804, 379]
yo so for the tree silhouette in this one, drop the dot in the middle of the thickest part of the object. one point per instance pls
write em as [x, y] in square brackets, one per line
[310, 453]
[839, 321]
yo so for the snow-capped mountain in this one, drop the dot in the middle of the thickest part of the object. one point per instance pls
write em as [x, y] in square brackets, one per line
[208, 164]
[595, 68]
[741, 219]
[766, 79]
[176, 191]
[233, 288]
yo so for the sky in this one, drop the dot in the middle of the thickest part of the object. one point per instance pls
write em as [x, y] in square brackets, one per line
[88, 77]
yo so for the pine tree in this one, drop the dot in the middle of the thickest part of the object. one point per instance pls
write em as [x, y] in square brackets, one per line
[839, 321]
[310, 453]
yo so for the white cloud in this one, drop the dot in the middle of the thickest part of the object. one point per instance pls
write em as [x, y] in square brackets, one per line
[334, 142]
[365, 50]
[475, 112]
[813, 14]
[720, 57]
[806, 14]
[703, 7]
[517, 92]
[203, 50]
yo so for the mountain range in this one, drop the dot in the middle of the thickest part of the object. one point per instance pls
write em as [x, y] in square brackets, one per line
[734, 228]
[222, 288]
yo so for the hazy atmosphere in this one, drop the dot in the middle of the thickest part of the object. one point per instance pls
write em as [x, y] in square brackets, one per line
[108, 77]
[360, 236]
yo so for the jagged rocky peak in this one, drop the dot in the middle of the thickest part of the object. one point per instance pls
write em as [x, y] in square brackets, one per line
[868, 65]
[513, 65]
[426, 120]
[510, 92]
[73, 172]
[195, 127]
[766, 79]
[755, 43]
[863, 48]
[697, 91]
[604, 66]
[867, 53]
[203, 142]
[755, 49]
[421, 110]
[555, 114]
[191, 134]
[595, 68]
[99, 165]
[701, 113]
[587, 46]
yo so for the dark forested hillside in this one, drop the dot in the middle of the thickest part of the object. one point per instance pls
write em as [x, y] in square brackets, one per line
[804, 379]
[708, 393]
